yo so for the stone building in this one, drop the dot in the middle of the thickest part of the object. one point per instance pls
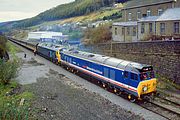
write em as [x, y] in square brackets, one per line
[168, 24]
[148, 14]
[147, 27]
[137, 9]
[164, 27]
[125, 31]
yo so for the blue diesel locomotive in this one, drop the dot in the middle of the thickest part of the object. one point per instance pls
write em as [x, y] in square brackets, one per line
[137, 80]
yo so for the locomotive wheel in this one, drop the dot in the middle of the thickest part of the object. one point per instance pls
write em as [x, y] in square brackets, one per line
[115, 90]
[131, 98]
[104, 85]
[119, 93]
[76, 72]
[98, 82]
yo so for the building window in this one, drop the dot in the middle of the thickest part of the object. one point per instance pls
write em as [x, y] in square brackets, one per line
[160, 11]
[150, 27]
[176, 27]
[142, 28]
[162, 27]
[123, 31]
[148, 13]
[115, 31]
[130, 16]
[144, 15]
[128, 30]
[138, 15]
[134, 31]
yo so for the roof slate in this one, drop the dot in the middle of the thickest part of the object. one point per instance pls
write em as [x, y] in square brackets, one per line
[170, 14]
[149, 19]
[131, 23]
[140, 3]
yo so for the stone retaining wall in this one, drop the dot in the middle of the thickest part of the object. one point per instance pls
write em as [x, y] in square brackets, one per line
[163, 55]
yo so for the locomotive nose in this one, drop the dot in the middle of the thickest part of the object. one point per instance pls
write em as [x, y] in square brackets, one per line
[147, 86]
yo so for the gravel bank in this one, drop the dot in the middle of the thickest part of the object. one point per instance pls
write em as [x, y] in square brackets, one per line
[59, 98]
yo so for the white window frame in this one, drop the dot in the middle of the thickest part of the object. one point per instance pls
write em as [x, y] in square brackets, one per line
[148, 13]
[160, 11]
[150, 27]
[138, 15]
[142, 28]
[129, 16]
[176, 27]
[123, 30]
[115, 31]
[129, 31]
[134, 31]
[162, 28]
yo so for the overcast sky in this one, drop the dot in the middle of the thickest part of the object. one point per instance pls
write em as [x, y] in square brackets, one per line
[20, 9]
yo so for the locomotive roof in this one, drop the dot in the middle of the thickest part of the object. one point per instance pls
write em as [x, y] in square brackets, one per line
[114, 62]
[51, 46]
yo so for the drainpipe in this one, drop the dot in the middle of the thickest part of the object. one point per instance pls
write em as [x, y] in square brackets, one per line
[155, 28]
[125, 15]
[124, 33]
[137, 32]
[111, 47]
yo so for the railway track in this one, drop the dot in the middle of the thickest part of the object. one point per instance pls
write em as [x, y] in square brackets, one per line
[161, 106]
[156, 107]
[161, 110]
[169, 100]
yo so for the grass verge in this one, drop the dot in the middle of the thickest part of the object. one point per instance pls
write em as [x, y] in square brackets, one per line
[12, 49]
[167, 87]
[14, 102]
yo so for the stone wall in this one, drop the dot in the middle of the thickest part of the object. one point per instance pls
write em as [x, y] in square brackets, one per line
[163, 55]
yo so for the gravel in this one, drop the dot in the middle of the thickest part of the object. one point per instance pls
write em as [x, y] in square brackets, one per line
[58, 97]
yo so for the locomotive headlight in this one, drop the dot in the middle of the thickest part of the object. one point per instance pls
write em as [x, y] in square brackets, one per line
[145, 89]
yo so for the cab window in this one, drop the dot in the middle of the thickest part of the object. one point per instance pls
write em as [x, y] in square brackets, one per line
[144, 76]
[125, 74]
[134, 76]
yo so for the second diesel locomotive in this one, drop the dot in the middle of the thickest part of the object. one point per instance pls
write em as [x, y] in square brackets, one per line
[135, 79]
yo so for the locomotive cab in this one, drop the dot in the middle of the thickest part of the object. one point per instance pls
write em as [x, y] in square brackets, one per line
[148, 82]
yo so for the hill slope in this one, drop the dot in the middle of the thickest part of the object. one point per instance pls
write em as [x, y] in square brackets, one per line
[76, 8]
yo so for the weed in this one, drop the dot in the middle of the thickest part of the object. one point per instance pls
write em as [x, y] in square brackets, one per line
[8, 70]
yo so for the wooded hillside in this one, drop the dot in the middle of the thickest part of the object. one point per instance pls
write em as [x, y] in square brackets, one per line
[76, 8]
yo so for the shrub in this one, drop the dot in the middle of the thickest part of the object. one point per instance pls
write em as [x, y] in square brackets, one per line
[3, 41]
[8, 70]
[97, 35]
